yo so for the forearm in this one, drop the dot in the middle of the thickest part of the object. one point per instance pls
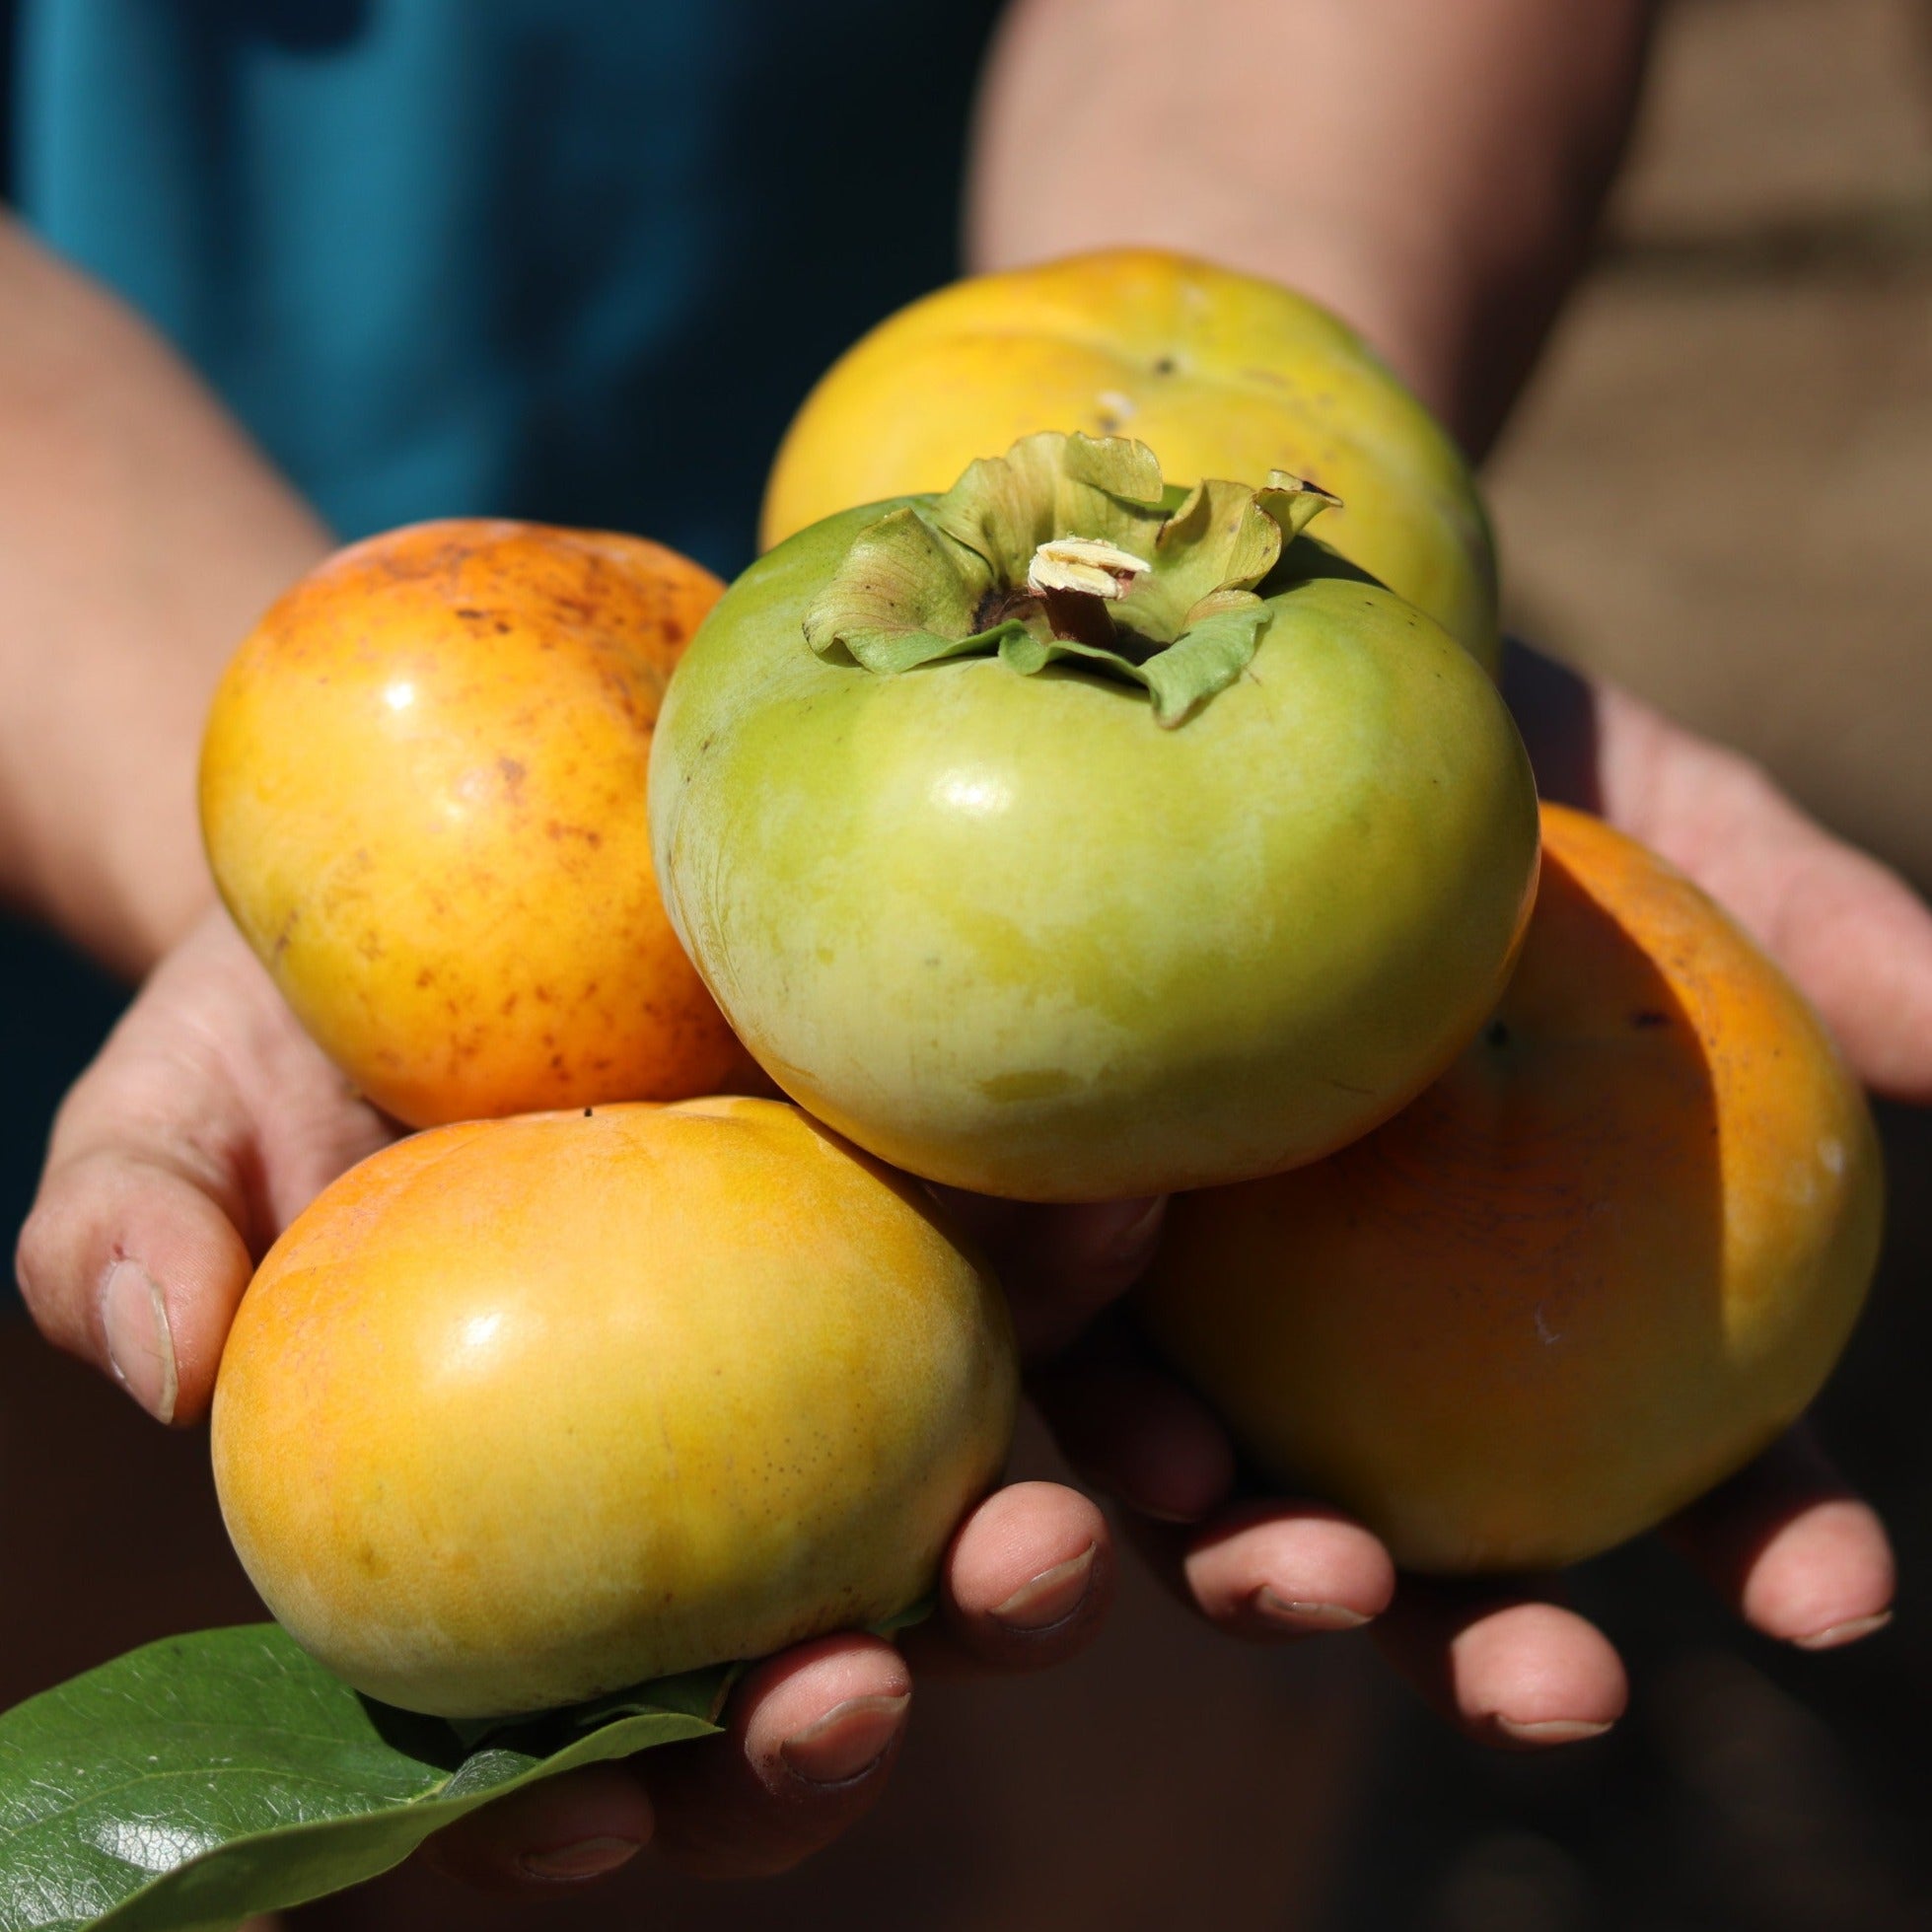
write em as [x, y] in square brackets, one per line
[140, 535]
[1432, 170]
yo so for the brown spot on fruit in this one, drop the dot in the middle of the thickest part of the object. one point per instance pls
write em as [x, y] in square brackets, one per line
[541, 653]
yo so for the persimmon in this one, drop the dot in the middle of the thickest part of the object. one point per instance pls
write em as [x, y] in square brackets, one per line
[1220, 373]
[423, 798]
[1048, 884]
[1592, 1270]
[521, 1411]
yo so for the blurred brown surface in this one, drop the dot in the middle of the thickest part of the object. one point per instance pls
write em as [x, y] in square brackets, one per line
[1721, 493]
[1720, 489]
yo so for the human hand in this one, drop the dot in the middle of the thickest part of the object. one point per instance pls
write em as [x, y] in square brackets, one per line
[207, 1121]
[1785, 1542]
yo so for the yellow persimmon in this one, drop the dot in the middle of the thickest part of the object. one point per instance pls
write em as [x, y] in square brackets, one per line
[1219, 374]
[523, 1411]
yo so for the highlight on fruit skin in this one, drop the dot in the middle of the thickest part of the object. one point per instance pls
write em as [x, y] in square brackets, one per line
[519, 1413]
[1595, 1270]
[423, 798]
[1222, 373]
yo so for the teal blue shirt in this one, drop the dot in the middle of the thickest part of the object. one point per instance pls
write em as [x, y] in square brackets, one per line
[575, 259]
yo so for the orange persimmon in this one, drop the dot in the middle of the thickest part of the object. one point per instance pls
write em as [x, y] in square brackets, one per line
[1592, 1270]
[518, 1412]
[423, 796]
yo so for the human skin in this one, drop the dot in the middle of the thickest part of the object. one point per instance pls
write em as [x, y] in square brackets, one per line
[1431, 174]
[145, 533]
[1463, 154]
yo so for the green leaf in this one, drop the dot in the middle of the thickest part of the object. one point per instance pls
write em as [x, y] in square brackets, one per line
[954, 577]
[1219, 540]
[1294, 502]
[204, 1778]
[904, 596]
[1048, 485]
[1206, 658]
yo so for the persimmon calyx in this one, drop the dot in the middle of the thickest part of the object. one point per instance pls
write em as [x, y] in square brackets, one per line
[1075, 579]
[1084, 564]
[1070, 549]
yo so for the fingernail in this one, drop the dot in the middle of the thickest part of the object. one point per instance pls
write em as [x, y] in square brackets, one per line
[1551, 1730]
[587, 1858]
[1050, 1598]
[1848, 1632]
[847, 1741]
[1291, 1613]
[140, 1350]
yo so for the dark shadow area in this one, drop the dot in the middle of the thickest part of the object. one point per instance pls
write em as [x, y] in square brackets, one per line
[1556, 710]
[1307, 558]
[1881, 245]
[428, 1740]
[108, 1523]
[1752, 1787]
[299, 26]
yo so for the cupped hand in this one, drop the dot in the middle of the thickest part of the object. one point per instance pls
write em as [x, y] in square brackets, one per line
[209, 1119]
[1786, 1543]
[206, 1122]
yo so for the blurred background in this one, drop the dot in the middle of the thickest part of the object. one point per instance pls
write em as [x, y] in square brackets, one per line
[1719, 493]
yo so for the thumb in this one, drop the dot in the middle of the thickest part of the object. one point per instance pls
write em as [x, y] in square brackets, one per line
[206, 1118]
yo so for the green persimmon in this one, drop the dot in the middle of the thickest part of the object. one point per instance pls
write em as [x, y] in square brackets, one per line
[1069, 837]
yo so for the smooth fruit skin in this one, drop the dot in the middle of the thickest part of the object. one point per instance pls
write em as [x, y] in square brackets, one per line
[523, 1411]
[423, 797]
[1009, 934]
[1595, 1270]
[1219, 374]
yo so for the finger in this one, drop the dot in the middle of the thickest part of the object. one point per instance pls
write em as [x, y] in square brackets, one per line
[136, 1250]
[553, 1835]
[1136, 1433]
[1272, 1571]
[1026, 1583]
[1793, 1548]
[1858, 940]
[206, 1119]
[1853, 935]
[1505, 1665]
[1060, 1265]
[1268, 1570]
[135, 1266]
[812, 1735]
